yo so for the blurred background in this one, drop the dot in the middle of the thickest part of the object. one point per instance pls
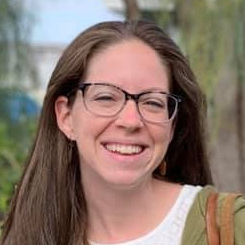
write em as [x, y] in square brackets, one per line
[34, 33]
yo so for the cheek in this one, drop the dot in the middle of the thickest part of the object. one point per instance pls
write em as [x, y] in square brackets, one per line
[81, 121]
[162, 141]
[163, 135]
[83, 129]
[162, 138]
[88, 127]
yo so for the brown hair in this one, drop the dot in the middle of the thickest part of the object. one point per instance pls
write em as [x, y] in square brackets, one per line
[48, 206]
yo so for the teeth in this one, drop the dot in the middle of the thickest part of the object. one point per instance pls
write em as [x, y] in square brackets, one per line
[124, 149]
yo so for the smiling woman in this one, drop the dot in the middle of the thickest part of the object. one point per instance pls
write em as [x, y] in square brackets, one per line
[119, 156]
[125, 128]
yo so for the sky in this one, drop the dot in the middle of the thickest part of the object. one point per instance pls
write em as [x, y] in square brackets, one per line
[60, 21]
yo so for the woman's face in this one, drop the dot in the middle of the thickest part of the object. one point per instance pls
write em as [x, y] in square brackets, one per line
[122, 150]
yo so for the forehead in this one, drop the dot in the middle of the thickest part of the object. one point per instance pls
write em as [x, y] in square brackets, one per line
[130, 64]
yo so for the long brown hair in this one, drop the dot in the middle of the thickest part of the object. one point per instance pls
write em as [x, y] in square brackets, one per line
[48, 207]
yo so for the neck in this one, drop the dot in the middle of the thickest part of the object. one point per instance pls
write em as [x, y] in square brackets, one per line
[114, 213]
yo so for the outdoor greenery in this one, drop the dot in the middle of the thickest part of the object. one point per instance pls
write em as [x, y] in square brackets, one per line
[15, 27]
[16, 126]
[212, 32]
[14, 144]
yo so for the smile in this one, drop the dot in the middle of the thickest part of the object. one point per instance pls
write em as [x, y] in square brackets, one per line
[124, 149]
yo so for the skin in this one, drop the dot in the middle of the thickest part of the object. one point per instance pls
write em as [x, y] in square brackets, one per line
[120, 190]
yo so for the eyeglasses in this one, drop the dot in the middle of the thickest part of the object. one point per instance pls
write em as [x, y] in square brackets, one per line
[107, 100]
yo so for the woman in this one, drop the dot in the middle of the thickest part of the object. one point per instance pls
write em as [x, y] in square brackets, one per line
[119, 156]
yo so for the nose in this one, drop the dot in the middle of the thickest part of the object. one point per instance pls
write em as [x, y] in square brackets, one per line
[129, 118]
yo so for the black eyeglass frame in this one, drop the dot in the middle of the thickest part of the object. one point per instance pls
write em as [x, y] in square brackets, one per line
[128, 96]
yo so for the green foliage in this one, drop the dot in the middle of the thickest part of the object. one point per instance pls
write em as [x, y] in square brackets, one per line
[207, 33]
[239, 39]
[15, 63]
[205, 27]
[212, 34]
[15, 140]
[15, 25]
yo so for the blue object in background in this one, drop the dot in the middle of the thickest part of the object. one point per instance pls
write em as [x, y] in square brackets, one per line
[16, 105]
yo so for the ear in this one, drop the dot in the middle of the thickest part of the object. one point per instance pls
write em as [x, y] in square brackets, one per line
[63, 116]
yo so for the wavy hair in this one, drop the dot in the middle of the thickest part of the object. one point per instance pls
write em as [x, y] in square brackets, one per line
[49, 207]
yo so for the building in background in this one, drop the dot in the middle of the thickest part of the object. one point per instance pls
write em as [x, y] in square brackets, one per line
[46, 53]
[45, 57]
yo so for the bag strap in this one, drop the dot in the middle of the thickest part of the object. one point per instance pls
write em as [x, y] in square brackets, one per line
[211, 222]
[223, 235]
[227, 219]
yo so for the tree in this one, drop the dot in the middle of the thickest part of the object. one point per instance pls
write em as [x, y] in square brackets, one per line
[239, 63]
[212, 34]
[132, 10]
[15, 26]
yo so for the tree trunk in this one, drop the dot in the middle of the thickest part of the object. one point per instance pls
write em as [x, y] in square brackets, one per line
[240, 64]
[132, 11]
[240, 134]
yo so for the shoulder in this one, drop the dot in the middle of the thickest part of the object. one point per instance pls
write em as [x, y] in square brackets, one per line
[195, 228]
[239, 220]
[238, 214]
[199, 205]
[202, 196]
[239, 203]
[196, 223]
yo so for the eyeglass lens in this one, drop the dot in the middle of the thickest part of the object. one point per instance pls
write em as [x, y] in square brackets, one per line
[108, 100]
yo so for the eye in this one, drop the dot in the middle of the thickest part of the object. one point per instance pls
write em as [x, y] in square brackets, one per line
[104, 97]
[154, 104]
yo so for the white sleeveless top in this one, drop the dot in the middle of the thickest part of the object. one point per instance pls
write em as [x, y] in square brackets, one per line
[170, 230]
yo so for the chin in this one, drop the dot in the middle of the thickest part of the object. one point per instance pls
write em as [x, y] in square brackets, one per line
[127, 180]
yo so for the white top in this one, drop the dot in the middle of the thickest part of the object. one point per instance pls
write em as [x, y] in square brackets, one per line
[170, 230]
